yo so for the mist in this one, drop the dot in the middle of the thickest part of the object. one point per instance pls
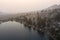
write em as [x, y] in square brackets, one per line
[18, 6]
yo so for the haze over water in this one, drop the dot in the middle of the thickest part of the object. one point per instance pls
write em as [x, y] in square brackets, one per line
[16, 6]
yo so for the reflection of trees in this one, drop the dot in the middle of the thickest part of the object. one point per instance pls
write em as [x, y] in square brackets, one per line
[29, 28]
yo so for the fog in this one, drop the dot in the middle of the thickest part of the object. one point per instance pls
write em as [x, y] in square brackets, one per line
[17, 6]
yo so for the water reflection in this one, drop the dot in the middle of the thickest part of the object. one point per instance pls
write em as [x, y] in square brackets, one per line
[29, 28]
[12, 30]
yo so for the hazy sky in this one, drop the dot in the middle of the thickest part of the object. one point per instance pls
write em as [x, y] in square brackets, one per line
[13, 6]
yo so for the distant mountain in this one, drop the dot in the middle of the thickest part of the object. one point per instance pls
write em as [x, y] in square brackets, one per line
[54, 7]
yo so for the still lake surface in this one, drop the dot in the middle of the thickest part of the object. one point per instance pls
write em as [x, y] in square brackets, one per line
[12, 30]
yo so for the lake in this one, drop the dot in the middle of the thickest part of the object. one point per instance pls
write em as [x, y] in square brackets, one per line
[12, 30]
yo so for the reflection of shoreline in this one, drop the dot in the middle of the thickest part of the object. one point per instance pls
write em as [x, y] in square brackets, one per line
[3, 21]
[26, 25]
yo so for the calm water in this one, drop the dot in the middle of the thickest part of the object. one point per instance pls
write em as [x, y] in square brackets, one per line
[16, 31]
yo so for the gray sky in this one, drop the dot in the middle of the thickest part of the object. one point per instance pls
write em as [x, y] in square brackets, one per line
[15, 6]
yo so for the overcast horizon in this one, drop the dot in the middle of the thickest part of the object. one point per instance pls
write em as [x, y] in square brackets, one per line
[17, 6]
